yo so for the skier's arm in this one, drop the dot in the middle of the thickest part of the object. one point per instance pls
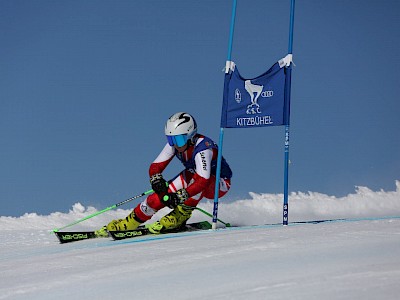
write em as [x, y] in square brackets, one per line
[203, 172]
[162, 160]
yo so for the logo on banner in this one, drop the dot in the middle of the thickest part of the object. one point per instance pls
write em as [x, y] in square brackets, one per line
[238, 96]
[255, 91]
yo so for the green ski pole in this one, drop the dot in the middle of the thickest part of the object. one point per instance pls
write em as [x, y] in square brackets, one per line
[104, 210]
[210, 215]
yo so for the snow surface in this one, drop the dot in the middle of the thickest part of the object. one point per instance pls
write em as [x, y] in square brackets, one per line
[355, 258]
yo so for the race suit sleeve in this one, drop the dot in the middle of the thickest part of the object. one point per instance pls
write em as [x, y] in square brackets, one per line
[162, 160]
[203, 172]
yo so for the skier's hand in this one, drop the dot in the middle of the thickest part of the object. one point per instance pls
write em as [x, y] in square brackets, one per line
[158, 184]
[172, 200]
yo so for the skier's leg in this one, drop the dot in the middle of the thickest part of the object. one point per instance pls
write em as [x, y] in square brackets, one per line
[224, 186]
[140, 214]
[180, 214]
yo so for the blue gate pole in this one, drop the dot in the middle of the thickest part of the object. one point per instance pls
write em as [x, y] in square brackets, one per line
[221, 132]
[287, 118]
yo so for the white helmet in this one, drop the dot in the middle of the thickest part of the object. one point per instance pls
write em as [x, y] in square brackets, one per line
[180, 128]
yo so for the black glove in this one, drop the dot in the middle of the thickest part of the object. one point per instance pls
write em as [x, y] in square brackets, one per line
[172, 200]
[158, 184]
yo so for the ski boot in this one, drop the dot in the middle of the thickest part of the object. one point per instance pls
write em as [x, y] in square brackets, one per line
[129, 223]
[177, 217]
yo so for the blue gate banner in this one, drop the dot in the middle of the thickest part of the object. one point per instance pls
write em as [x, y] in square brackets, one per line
[256, 102]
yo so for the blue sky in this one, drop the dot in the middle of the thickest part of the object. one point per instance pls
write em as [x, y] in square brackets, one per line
[86, 87]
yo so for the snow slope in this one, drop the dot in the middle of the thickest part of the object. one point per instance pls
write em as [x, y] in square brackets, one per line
[356, 258]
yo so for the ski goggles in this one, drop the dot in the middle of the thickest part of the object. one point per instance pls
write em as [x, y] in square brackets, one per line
[178, 140]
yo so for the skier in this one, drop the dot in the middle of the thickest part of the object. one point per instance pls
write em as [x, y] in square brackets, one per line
[198, 154]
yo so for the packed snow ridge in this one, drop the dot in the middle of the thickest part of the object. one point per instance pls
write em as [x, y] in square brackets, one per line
[257, 210]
